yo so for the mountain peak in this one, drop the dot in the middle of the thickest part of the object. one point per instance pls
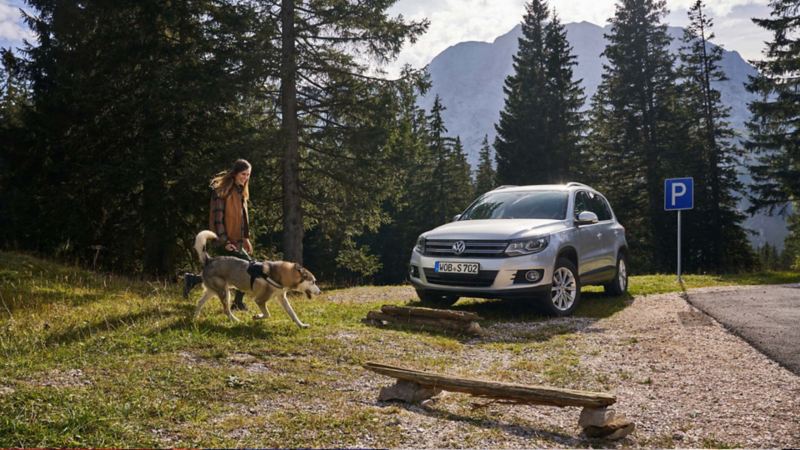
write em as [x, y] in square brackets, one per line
[469, 77]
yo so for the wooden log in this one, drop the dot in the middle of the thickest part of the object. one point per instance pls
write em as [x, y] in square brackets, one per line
[408, 311]
[517, 393]
[436, 324]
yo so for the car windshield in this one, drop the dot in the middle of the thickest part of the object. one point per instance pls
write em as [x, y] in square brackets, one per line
[519, 205]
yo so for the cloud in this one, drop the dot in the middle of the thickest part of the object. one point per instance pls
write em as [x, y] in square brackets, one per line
[12, 29]
[454, 21]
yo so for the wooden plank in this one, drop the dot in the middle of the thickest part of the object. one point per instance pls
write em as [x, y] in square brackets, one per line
[517, 393]
[435, 324]
[408, 311]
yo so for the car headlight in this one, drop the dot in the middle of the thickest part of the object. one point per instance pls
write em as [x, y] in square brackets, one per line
[420, 247]
[527, 246]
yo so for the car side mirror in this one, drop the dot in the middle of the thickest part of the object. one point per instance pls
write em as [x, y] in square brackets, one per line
[586, 218]
[456, 217]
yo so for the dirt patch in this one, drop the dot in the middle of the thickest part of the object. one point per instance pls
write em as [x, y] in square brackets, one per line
[371, 294]
[62, 379]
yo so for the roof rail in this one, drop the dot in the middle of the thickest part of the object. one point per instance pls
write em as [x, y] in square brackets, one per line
[575, 183]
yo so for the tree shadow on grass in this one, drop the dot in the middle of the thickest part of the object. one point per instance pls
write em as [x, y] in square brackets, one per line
[45, 297]
[107, 324]
[245, 330]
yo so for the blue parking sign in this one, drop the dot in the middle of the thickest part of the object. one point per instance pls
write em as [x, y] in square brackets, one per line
[678, 194]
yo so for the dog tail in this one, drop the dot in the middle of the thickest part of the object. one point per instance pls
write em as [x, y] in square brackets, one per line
[200, 244]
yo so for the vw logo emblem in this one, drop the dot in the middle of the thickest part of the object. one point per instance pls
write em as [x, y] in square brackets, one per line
[459, 247]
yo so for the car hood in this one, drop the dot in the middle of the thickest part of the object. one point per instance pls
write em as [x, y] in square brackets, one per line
[496, 229]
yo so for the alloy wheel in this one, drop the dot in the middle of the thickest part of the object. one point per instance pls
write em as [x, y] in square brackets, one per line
[564, 289]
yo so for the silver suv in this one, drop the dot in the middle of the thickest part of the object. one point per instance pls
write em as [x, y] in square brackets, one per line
[542, 242]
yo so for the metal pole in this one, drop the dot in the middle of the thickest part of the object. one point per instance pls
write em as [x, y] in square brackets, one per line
[679, 246]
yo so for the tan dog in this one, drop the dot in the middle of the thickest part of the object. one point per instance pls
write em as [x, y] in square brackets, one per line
[263, 280]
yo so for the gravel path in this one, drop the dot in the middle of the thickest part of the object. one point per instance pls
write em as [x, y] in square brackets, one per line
[678, 374]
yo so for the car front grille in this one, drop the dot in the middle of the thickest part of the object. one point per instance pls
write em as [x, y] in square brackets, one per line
[473, 249]
[484, 278]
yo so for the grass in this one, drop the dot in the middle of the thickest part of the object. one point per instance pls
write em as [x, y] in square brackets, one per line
[95, 360]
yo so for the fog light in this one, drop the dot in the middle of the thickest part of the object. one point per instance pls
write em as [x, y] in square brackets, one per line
[532, 276]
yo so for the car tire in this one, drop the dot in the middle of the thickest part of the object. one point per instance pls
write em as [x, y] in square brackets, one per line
[565, 291]
[619, 285]
[437, 300]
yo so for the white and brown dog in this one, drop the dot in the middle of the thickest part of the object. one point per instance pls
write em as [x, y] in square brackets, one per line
[262, 280]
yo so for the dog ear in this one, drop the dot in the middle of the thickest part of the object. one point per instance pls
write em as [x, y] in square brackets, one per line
[298, 268]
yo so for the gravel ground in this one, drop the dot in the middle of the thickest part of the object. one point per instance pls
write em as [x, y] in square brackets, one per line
[680, 376]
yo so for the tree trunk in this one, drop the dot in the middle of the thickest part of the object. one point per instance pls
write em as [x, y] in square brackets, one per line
[292, 208]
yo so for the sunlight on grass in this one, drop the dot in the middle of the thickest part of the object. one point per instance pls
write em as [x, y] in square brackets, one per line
[91, 359]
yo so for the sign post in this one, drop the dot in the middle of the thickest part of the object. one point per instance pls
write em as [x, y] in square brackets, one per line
[678, 195]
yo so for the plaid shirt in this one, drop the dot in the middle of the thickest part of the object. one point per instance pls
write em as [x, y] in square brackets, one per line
[218, 210]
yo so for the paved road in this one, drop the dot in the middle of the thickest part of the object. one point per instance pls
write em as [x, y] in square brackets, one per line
[768, 317]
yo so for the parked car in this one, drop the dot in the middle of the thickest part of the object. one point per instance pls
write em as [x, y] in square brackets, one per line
[536, 242]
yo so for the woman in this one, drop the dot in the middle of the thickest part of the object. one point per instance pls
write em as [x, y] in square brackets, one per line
[228, 218]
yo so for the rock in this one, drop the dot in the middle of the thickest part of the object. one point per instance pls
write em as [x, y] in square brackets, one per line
[408, 392]
[618, 428]
[597, 417]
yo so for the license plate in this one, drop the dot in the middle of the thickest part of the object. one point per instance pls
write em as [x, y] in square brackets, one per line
[457, 267]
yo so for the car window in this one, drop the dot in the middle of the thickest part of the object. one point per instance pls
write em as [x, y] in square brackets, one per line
[603, 211]
[581, 202]
[589, 201]
[519, 205]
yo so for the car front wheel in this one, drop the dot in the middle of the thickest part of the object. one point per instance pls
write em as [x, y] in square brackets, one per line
[565, 292]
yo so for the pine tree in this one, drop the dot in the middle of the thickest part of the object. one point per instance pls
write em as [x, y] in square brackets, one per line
[791, 245]
[13, 103]
[774, 140]
[438, 148]
[521, 148]
[485, 176]
[133, 107]
[540, 125]
[407, 210]
[565, 100]
[717, 236]
[460, 187]
[451, 183]
[632, 121]
[327, 103]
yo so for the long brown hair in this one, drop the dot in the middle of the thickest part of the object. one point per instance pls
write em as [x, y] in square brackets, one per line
[224, 181]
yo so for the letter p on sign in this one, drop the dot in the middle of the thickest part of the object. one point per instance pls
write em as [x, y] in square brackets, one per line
[678, 194]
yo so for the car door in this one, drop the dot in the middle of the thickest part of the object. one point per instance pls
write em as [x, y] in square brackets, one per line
[607, 251]
[588, 244]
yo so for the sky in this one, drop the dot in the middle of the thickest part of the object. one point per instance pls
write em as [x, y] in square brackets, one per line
[454, 21]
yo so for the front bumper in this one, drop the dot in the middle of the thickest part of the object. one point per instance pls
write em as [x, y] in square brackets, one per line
[498, 277]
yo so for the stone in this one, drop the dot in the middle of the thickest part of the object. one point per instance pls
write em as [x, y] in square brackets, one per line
[618, 428]
[408, 392]
[598, 417]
